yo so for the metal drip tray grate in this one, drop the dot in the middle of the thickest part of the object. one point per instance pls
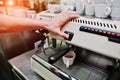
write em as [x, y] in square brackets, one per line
[94, 76]
[82, 72]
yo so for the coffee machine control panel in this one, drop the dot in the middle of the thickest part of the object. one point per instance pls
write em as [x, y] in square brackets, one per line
[98, 35]
[112, 36]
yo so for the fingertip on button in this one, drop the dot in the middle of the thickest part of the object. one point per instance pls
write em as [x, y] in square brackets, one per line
[70, 35]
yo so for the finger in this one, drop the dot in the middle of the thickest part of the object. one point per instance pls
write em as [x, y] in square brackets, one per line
[71, 14]
[64, 35]
[74, 16]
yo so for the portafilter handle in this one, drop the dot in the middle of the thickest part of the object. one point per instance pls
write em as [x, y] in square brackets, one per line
[55, 57]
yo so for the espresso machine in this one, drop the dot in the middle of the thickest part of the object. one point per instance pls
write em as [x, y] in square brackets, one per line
[97, 46]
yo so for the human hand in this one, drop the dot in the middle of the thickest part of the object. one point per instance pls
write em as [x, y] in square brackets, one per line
[57, 23]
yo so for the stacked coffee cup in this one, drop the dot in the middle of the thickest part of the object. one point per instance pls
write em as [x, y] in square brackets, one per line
[90, 8]
[80, 6]
[67, 5]
[102, 8]
[115, 13]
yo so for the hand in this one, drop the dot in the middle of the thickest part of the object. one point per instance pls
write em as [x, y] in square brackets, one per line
[57, 23]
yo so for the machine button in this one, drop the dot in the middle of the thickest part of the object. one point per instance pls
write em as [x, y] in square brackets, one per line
[92, 29]
[71, 34]
[89, 29]
[85, 28]
[113, 34]
[108, 33]
[96, 30]
[100, 31]
[104, 32]
[118, 34]
[81, 28]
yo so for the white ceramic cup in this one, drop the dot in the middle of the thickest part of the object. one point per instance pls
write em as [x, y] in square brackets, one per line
[90, 9]
[65, 8]
[52, 8]
[68, 59]
[63, 2]
[80, 8]
[109, 2]
[70, 3]
[115, 13]
[102, 10]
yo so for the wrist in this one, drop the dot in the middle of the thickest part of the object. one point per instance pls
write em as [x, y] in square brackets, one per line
[45, 25]
[41, 24]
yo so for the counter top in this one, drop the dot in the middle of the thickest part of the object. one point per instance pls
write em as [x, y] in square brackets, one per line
[22, 62]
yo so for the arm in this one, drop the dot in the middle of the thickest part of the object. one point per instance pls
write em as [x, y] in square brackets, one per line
[14, 24]
[54, 25]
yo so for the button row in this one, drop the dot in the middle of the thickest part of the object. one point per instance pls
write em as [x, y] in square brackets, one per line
[99, 31]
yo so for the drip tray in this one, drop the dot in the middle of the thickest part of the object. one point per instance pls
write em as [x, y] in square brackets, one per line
[82, 71]
[78, 69]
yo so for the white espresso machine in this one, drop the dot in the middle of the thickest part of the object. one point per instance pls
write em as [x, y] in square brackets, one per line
[102, 36]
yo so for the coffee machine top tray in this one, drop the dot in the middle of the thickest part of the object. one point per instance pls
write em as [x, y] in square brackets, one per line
[99, 35]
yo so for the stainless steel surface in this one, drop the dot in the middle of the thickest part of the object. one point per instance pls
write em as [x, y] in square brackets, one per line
[23, 64]
[48, 71]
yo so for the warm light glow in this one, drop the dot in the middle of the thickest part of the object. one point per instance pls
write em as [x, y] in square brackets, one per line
[1, 2]
[10, 2]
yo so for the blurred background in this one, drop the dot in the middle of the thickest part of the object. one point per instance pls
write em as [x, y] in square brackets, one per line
[37, 5]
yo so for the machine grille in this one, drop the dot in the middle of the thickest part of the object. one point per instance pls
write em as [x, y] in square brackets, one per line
[95, 23]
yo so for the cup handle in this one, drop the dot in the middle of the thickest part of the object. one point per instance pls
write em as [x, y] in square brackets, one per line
[107, 11]
[83, 7]
[67, 64]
